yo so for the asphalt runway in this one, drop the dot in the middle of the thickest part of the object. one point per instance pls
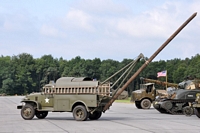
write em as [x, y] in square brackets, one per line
[121, 118]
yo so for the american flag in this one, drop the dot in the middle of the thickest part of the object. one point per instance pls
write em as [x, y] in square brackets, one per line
[162, 74]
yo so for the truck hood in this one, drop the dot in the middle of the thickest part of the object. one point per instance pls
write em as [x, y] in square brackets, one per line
[135, 94]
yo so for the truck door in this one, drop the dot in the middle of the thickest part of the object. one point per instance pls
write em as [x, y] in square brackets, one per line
[48, 100]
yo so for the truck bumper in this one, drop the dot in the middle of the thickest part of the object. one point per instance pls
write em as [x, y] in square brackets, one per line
[19, 107]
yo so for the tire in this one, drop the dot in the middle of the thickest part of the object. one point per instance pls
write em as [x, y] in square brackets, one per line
[27, 112]
[80, 113]
[41, 114]
[188, 111]
[137, 104]
[167, 105]
[95, 116]
[145, 104]
[197, 112]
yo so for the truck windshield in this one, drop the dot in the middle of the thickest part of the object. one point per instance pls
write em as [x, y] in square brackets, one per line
[148, 88]
[143, 87]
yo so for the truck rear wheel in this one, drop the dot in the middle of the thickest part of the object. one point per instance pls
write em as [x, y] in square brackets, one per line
[80, 113]
[95, 116]
[197, 112]
[41, 114]
[145, 104]
[27, 112]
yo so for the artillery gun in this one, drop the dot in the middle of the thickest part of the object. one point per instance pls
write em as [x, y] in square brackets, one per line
[82, 96]
[178, 100]
[147, 93]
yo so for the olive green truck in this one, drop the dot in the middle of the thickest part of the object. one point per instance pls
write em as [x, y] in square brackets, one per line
[82, 96]
[147, 92]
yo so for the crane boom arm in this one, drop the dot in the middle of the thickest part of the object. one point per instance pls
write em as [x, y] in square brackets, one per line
[147, 62]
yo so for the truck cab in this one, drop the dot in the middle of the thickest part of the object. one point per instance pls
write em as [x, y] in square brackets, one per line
[144, 96]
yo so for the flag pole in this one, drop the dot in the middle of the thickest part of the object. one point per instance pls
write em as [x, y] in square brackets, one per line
[166, 79]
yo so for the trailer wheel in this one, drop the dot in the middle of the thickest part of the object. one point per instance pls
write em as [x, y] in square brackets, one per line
[138, 104]
[95, 116]
[145, 104]
[27, 112]
[80, 113]
[197, 112]
[41, 114]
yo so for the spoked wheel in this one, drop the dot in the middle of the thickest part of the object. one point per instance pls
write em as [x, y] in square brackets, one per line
[80, 113]
[145, 104]
[41, 114]
[95, 116]
[188, 111]
[197, 112]
[27, 112]
[137, 104]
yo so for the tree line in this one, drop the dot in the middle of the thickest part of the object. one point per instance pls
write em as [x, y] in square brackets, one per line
[22, 74]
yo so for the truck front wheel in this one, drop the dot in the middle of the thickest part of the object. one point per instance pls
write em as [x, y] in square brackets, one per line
[95, 116]
[80, 113]
[41, 114]
[27, 112]
[145, 104]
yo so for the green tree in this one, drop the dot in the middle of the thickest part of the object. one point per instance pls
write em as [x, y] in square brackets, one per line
[24, 72]
[47, 70]
[5, 73]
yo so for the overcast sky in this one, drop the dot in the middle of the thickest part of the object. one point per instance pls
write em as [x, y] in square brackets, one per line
[105, 29]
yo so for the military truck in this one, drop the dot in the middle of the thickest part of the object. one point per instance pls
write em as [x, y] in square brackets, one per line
[69, 94]
[147, 93]
[83, 97]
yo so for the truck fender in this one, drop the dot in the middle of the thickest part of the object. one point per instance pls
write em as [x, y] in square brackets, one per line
[37, 105]
[76, 103]
[147, 98]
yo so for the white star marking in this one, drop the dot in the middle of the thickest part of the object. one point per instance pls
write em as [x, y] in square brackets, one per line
[46, 100]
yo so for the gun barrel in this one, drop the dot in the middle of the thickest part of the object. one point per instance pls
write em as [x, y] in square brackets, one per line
[160, 82]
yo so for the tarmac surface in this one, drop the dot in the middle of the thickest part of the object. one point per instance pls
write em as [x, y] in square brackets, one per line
[121, 118]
